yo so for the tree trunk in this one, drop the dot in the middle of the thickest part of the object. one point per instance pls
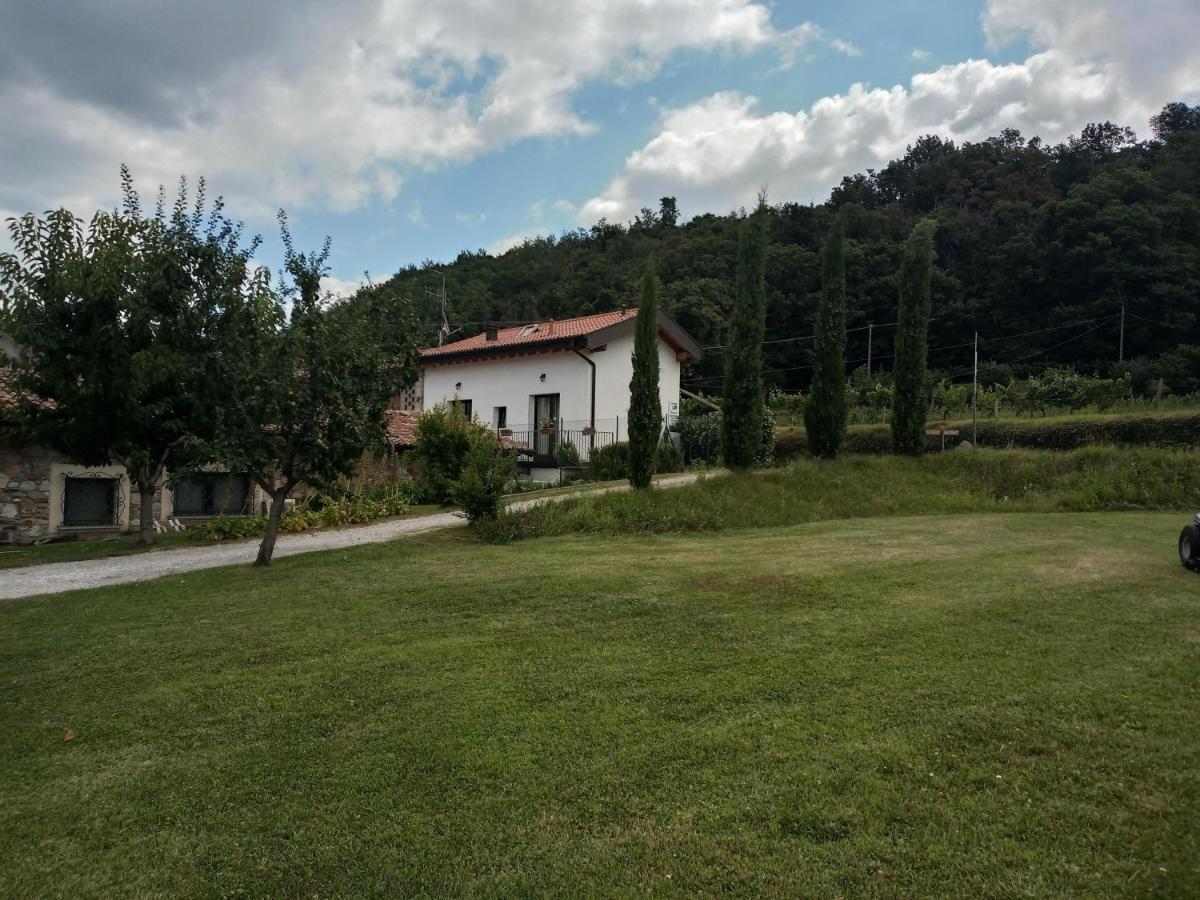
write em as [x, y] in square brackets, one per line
[267, 547]
[146, 513]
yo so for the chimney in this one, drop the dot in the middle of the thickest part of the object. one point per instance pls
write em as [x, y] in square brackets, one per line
[490, 332]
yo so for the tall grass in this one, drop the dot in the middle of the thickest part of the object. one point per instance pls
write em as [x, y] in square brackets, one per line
[1094, 478]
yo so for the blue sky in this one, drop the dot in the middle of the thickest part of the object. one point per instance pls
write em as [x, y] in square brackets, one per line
[409, 131]
[514, 191]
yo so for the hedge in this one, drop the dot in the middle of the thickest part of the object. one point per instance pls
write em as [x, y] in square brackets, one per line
[1068, 434]
[611, 462]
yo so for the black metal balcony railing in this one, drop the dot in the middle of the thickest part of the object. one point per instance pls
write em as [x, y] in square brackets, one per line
[564, 442]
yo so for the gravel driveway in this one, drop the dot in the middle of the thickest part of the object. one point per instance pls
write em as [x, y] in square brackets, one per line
[53, 578]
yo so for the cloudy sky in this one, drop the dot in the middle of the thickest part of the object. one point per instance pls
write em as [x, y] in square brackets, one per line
[410, 130]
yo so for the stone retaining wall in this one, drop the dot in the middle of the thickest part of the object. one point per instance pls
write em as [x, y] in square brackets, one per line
[24, 493]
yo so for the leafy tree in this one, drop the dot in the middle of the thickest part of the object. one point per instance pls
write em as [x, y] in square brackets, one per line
[645, 405]
[117, 327]
[309, 388]
[1175, 118]
[668, 212]
[909, 408]
[741, 424]
[826, 411]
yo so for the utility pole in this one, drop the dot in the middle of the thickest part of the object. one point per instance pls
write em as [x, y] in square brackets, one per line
[1121, 350]
[870, 328]
[975, 399]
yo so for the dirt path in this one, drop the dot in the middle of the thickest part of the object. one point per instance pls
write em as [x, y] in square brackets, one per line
[53, 578]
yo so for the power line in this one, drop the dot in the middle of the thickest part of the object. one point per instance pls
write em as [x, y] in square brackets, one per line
[1098, 323]
[806, 337]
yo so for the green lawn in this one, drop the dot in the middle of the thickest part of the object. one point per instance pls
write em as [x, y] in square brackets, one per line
[979, 705]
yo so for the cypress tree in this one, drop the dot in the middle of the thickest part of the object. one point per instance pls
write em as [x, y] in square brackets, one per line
[826, 410]
[645, 406]
[909, 408]
[741, 424]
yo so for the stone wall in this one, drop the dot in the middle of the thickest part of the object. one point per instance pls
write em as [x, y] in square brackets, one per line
[24, 493]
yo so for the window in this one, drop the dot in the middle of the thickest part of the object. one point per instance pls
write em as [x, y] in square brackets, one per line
[527, 330]
[90, 502]
[212, 494]
[500, 417]
[463, 408]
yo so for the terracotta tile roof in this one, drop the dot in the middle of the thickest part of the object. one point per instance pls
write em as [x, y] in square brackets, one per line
[8, 391]
[532, 334]
[402, 427]
[402, 430]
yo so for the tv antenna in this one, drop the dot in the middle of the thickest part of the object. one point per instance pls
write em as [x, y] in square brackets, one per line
[444, 330]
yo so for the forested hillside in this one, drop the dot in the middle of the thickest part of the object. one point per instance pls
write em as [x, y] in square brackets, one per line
[1032, 238]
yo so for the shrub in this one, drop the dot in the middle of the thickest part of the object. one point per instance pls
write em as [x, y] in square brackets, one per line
[227, 528]
[765, 457]
[700, 435]
[487, 471]
[566, 454]
[1141, 431]
[668, 459]
[318, 511]
[443, 441]
[610, 462]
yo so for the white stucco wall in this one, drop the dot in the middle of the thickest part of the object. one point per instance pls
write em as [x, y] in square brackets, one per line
[514, 382]
[614, 370]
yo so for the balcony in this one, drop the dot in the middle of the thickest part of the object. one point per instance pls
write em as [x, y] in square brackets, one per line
[544, 446]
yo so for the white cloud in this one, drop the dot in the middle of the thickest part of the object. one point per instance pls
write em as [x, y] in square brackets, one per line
[717, 152]
[1153, 41]
[502, 245]
[340, 287]
[307, 103]
[920, 54]
[472, 220]
[416, 216]
[845, 47]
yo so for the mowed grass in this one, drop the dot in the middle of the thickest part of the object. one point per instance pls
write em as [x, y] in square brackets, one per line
[986, 705]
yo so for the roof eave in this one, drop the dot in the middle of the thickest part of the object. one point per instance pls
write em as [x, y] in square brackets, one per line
[503, 350]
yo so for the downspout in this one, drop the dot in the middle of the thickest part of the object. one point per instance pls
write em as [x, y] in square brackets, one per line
[592, 415]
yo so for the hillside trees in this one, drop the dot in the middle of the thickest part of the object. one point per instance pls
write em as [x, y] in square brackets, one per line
[742, 393]
[645, 406]
[827, 407]
[911, 398]
[1007, 202]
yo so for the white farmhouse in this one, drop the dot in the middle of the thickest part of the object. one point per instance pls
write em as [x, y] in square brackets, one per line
[556, 383]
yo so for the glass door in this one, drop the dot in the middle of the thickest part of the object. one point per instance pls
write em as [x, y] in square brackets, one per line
[545, 423]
